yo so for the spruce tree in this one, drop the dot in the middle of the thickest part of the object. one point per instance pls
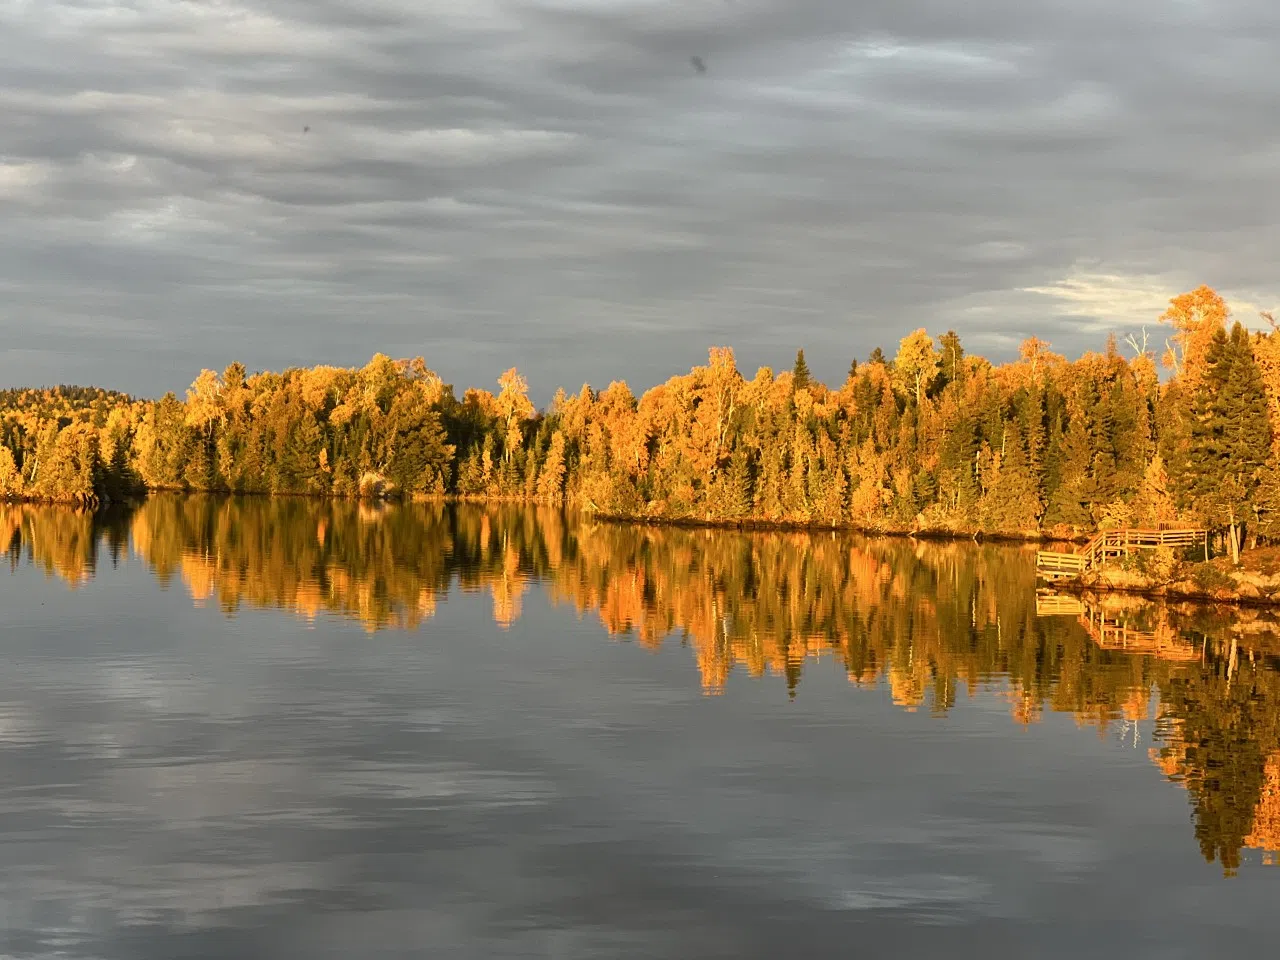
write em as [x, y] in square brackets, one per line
[1104, 478]
[1068, 503]
[1013, 503]
[800, 378]
[1229, 434]
[957, 461]
[738, 485]
[1032, 422]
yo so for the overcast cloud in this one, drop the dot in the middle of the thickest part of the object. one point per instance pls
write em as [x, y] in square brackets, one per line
[552, 183]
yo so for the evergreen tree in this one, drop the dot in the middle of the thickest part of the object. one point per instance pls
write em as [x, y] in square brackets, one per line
[1071, 498]
[1013, 501]
[415, 453]
[298, 463]
[800, 378]
[957, 464]
[551, 479]
[197, 474]
[737, 484]
[1229, 434]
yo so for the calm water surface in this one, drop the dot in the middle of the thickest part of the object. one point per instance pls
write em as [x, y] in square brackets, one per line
[299, 729]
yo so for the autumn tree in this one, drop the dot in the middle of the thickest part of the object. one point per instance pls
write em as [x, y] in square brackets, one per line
[1196, 317]
[1266, 351]
[950, 356]
[514, 408]
[1036, 355]
[916, 365]
[10, 477]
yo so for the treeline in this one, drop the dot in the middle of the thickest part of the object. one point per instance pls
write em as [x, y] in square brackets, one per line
[931, 438]
[932, 623]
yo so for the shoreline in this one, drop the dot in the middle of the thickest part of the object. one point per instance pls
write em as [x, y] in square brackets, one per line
[1239, 588]
[746, 525]
[1246, 589]
[796, 526]
[1165, 595]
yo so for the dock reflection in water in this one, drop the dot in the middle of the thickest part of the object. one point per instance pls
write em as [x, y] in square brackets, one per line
[942, 628]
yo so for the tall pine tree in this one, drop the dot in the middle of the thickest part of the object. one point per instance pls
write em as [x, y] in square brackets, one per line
[1229, 435]
[800, 378]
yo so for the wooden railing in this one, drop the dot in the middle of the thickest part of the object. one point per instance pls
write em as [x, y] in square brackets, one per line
[1109, 544]
[1051, 565]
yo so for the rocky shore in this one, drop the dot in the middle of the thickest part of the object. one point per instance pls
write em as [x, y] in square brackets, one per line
[1256, 582]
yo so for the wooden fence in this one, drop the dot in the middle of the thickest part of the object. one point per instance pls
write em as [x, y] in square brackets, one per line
[1109, 544]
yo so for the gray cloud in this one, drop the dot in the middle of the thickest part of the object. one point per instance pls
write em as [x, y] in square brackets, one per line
[550, 183]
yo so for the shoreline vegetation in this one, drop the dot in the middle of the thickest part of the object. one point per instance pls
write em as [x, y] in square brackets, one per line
[933, 442]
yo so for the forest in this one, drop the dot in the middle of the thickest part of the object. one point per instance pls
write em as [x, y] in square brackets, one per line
[930, 439]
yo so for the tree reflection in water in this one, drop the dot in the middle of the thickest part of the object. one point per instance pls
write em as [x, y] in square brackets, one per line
[924, 619]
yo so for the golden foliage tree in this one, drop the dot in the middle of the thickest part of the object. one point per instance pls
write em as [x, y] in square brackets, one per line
[1195, 317]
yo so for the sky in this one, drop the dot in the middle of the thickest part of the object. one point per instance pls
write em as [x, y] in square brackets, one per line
[555, 185]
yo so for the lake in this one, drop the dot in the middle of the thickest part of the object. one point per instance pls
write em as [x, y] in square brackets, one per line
[296, 728]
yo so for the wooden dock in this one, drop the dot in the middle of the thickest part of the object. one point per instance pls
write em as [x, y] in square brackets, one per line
[1107, 545]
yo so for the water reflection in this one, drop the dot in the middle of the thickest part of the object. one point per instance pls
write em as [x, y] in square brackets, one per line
[928, 620]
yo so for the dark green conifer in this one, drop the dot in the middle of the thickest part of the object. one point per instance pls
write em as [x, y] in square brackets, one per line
[800, 378]
[1229, 435]
[1013, 503]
